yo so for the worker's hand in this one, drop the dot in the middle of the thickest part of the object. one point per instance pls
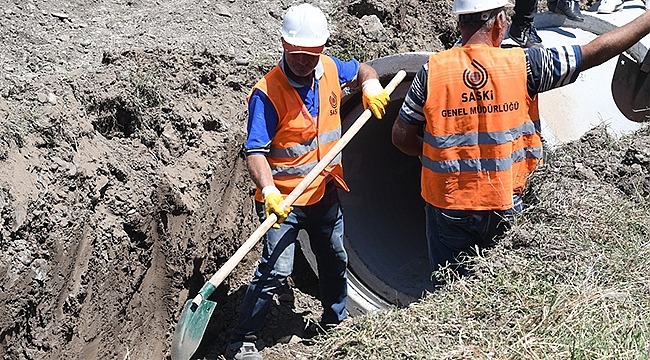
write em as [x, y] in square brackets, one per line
[272, 200]
[375, 97]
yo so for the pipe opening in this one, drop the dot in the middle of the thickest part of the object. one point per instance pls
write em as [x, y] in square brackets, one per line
[384, 212]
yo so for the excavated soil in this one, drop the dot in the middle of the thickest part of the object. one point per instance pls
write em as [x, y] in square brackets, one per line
[122, 184]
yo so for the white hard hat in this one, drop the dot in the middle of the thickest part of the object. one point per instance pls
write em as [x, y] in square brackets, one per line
[305, 25]
[476, 6]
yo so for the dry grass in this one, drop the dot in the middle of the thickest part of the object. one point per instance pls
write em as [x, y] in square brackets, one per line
[570, 281]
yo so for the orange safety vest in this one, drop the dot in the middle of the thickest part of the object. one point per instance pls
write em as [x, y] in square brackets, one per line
[483, 136]
[298, 143]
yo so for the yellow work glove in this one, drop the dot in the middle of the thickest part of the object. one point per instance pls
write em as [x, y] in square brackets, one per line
[272, 200]
[375, 97]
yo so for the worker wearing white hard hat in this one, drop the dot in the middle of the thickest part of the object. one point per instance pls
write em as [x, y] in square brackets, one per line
[522, 31]
[461, 7]
[293, 120]
[304, 28]
[476, 106]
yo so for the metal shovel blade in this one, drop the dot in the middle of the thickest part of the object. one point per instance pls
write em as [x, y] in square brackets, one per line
[631, 88]
[190, 329]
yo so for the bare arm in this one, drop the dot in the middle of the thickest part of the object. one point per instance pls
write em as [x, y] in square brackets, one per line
[614, 42]
[366, 72]
[260, 170]
[406, 138]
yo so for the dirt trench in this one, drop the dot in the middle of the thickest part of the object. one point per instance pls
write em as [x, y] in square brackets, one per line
[108, 226]
[122, 183]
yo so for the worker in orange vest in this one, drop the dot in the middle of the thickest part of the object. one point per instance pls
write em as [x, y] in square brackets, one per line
[477, 107]
[293, 121]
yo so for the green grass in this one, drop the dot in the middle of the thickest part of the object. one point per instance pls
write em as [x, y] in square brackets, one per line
[571, 280]
[352, 51]
[146, 90]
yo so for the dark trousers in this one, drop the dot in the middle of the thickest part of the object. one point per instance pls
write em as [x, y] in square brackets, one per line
[525, 11]
[323, 222]
[454, 234]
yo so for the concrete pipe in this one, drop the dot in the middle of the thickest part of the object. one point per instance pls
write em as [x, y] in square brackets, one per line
[384, 219]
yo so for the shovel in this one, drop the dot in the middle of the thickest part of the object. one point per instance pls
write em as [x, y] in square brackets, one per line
[197, 312]
[631, 87]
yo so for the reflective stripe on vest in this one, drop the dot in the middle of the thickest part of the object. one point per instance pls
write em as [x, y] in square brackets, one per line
[482, 135]
[476, 165]
[300, 142]
[495, 137]
[299, 170]
[307, 146]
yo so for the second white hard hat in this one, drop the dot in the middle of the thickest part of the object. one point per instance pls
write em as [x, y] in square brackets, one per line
[476, 6]
[305, 25]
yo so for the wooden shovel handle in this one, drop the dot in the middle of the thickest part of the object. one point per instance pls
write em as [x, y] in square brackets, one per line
[230, 265]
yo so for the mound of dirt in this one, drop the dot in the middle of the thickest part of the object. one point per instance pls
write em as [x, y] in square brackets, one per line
[121, 195]
[623, 163]
[124, 187]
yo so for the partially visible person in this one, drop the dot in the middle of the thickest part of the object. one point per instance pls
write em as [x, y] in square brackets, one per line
[476, 106]
[568, 8]
[522, 30]
[293, 121]
[611, 6]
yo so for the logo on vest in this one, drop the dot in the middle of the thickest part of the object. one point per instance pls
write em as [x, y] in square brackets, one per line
[483, 100]
[334, 104]
[476, 80]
